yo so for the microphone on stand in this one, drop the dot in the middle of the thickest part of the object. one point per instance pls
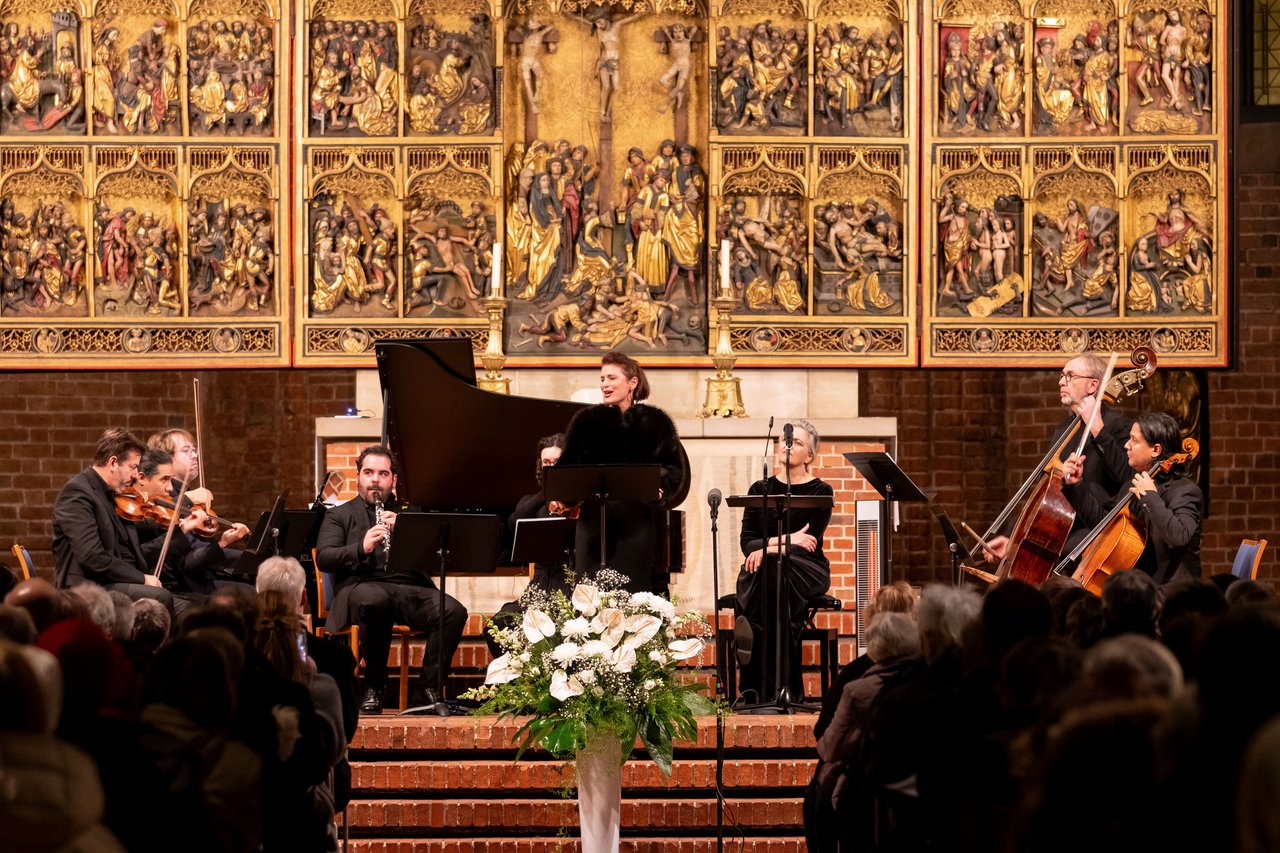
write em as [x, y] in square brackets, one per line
[713, 500]
[788, 435]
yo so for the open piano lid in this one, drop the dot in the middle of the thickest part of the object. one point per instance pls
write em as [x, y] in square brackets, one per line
[460, 448]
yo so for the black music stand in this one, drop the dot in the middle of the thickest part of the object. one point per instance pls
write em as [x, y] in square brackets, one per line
[954, 546]
[574, 484]
[543, 540]
[431, 543]
[779, 564]
[264, 540]
[892, 483]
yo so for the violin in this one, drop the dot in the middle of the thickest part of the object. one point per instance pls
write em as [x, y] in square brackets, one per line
[1047, 516]
[137, 508]
[1116, 543]
[570, 511]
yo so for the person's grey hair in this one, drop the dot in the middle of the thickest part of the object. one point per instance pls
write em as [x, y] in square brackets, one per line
[285, 575]
[943, 613]
[102, 610]
[123, 628]
[892, 635]
[1094, 366]
[151, 623]
[1131, 666]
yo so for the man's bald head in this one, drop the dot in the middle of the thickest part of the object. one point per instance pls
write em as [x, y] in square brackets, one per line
[39, 598]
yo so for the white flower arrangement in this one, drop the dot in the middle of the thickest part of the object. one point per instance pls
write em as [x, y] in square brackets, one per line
[601, 660]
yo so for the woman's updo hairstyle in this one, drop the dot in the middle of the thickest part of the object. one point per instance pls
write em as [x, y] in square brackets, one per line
[631, 369]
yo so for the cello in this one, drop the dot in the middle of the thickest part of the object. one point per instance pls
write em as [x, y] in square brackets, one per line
[1116, 542]
[1047, 516]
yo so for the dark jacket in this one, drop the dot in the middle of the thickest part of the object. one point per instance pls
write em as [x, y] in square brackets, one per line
[1107, 462]
[90, 541]
[1172, 518]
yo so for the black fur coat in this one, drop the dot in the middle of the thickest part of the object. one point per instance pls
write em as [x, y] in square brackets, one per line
[603, 435]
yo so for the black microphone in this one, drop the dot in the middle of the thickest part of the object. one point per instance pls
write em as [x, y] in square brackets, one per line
[788, 434]
[713, 500]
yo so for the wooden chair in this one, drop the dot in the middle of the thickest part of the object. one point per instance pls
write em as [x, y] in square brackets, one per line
[1245, 565]
[27, 567]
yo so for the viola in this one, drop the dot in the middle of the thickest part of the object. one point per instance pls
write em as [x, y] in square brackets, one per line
[1047, 516]
[1116, 542]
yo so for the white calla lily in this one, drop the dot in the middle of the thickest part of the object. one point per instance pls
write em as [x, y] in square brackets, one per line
[624, 658]
[610, 624]
[564, 687]
[538, 626]
[502, 669]
[642, 629]
[685, 649]
[586, 599]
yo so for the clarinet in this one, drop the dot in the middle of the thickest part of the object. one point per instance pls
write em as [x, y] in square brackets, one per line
[377, 519]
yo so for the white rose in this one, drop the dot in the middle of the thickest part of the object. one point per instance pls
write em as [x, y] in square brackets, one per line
[565, 652]
[538, 626]
[586, 599]
[525, 657]
[685, 649]
[576, 629]
[649, 684]
[659, 657]
[565, 687]
[587, 676]
[502, 669]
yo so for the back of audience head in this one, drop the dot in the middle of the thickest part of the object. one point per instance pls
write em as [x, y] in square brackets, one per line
[892, 636]
[197, 674]
[1131, 602]
[122, 630]
[1012, 611]
[1248, 592]
[1035, 672]
[1130, 667]
[30, 689]
[286, 576]
[897, 597]
[1061, 601]
[39, 598]
[941, 617]
[1257, 818]
[1188, 610]
[16, 625]
[151, 624]
[1086, 621]
[102, 610]
[233, 607]
[277, 636]
[95, 672]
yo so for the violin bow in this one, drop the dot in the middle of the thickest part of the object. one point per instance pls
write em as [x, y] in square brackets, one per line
[1097, 402]
[195, 384]
[168, 534]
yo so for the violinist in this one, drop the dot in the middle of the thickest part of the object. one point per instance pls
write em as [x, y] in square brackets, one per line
[546, 577]
[91, 542]
[1168, 504]
[1079, 387]
[189, 559]
[216, 556]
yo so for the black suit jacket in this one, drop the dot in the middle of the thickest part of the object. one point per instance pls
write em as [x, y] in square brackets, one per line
[90, 541]
[338, 553]
[1172, 517]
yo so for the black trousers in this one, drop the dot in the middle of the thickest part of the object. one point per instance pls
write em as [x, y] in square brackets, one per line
[804, 579]
[377, 605]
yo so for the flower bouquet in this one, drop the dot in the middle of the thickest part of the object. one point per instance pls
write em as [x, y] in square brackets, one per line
[593, 671]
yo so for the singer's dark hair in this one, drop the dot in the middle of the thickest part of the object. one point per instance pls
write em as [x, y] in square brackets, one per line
[631, 369]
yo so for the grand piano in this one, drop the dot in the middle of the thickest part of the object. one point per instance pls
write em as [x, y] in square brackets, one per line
[462, 449]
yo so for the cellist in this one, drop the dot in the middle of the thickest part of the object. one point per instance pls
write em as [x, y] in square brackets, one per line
[1079, 387]
[1168, 504]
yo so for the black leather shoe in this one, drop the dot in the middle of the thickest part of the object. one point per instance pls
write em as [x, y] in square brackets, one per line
[372, 703]
[743, 639]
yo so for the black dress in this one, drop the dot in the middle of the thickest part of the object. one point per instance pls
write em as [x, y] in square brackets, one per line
[605, 435]
[808, 576]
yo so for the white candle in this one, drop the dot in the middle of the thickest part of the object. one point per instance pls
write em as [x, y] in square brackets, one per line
[495, 286]
[724, 267]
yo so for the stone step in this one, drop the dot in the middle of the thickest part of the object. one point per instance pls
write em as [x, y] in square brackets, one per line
[427, 779]
[769, 844]
[515, 816]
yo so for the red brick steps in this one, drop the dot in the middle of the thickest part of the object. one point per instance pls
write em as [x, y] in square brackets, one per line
[570, 845]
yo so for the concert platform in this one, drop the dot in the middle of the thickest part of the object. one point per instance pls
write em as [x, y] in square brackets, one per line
[449, 785]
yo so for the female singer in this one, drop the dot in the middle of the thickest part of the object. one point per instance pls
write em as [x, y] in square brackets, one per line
[763, 542]
[1169, 504]
[623, 429]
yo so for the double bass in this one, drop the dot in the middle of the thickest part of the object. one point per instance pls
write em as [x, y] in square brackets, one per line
[1047, 516]
[1116, 542]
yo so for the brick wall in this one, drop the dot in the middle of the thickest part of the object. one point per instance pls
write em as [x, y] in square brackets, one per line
[258, 434]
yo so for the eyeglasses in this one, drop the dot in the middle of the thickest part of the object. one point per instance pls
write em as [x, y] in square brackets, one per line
[1068, 376]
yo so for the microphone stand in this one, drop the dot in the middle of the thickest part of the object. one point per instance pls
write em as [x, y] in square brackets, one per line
[715, 604]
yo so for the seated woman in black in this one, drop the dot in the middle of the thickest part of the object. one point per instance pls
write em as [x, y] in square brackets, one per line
[808, 575]
[1169, 505]
[625, 430]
